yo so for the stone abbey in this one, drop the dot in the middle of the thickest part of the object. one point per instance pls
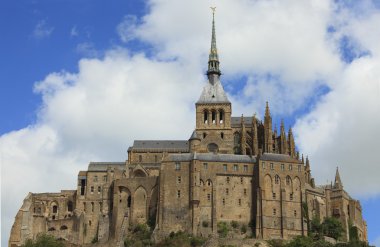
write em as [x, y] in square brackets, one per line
[230, 169]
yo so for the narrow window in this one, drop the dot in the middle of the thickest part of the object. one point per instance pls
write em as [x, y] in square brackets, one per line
[239, 202]
[276, 179]
[92, 207]
[224, 201]
[82, 186]
[155, 158]
[282, 167]
[228, 180]
[221, 116]
[222, 135]
[274, 195]
[271, 166]
[204, 135]
[208, 197]
[100, 206]
[205, 166]
[129, 201]
[274, 211]
[105, 178]
[84, 207]
[140, 158]
[291, 196]
[92, 189]
[99, 189]
[209, 182]
[89, 222]
[263, 164]
[177, 166]
[55, 209]
[288, 180]
[295, 213]
[241, 180]
[178, 193]
[225, 167]
[227, 191]
[179, 179]
[235, 168]
[245, 192]
[205, 117]
[213, 117]
[245, 168]
[290, 167]
[95, 178]
[299, 168]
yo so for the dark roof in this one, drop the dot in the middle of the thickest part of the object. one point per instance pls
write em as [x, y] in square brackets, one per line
[103, 166]
[279, 158]
[212, 157]
[167, 145]
[236, 121]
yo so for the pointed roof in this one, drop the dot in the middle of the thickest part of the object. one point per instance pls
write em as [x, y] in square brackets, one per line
[267, 111]
[213, 92]
[194, 136]
[338, 182]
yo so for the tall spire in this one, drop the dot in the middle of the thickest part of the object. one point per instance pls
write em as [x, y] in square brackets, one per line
[213, 59]
[338, 183]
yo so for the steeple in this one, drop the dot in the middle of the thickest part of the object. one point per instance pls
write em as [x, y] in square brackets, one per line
[268, 138]
[213, 59]
[338, 183]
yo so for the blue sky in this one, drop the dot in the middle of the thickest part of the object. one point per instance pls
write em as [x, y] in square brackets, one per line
[74, 72]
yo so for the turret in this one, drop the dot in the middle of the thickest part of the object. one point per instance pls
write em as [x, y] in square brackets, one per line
[283, 142]
[268, 139]
[291, 144]
[243, 138]
[194, 142]
[255, 141]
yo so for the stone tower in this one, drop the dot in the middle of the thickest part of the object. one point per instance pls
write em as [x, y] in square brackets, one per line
[213, 109]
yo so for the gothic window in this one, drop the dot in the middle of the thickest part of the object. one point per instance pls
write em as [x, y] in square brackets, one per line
[288, 180]
[213, 116]
[282, 167]
[290, 167]
[271, 166]
[70, 206]
[212, 148]
[299, 168]
[95, 178]
[222, 135]
[55, 209]
[276, 179]
[237, 139]
[204, 135]
[177, 166]
[245, 168]
[221, 116]
[205, 116]
[205, 166]
[235, 168]
[225, 167]
[209, 182]
[105, 178]
[129, 201]
[263, 165]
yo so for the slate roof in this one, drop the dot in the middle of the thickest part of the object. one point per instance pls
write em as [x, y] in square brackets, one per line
[212, 157]
[102, 166]
[236, 121]
[278, 158]
[213, 93]
[180, 145]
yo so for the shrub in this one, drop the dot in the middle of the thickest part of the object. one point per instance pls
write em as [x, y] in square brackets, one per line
[44, 240]
[223, 229]
[234, 224]
[332, 227]
[243, 228]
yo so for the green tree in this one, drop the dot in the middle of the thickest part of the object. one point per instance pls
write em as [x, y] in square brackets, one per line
[43, 240]
[300, 241]
[316, 228]
[332, 227]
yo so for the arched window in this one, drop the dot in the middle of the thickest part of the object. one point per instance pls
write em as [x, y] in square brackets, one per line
[70, 206]
[288, 180]
[222, 135]
[221, 116]
[129, 201]
[55, 209]
[276, 179]
[92, 207]
[205, 116]
[237, 142]
[213, 116]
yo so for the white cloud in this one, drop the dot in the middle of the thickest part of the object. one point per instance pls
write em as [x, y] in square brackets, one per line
[42, 30]
[74, 31]
[87, 49]
[127, 28]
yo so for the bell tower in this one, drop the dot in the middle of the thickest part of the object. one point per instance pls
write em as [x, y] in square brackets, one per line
[213, 109]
